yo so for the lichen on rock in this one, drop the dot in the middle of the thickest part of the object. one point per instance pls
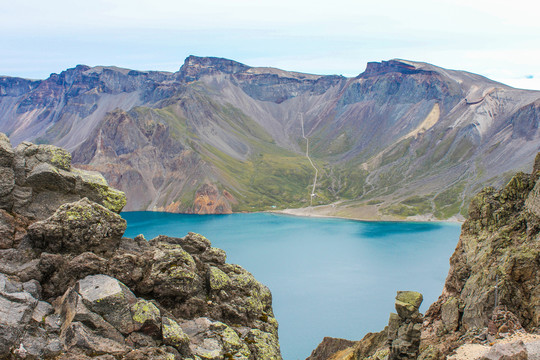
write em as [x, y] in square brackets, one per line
[217, 279]
[173, 334]
[146, 315]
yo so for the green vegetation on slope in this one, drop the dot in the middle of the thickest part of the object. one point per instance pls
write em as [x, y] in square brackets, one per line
[448, 202]
[265, 180]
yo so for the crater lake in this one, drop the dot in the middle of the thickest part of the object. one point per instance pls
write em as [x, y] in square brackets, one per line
[328, 277]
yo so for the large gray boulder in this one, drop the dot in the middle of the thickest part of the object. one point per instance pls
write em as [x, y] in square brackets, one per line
[36, 179]
[78, 227]
[109, 298]
[96, 316]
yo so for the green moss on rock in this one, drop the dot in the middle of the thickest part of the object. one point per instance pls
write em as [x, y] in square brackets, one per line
[217, 279]
[59, 157]
[263, 345]
[410, 297]
[380, 354]
[113, 199]
[143, 311]
[94, 186]
[172, 333]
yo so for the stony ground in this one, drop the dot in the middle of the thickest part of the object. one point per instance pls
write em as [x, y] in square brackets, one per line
[477, 351]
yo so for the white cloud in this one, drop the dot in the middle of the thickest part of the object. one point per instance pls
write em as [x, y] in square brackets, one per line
[522, 83]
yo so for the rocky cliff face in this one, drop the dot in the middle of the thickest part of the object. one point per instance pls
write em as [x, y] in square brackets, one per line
[492, 287]
[398, 128]
[72, 288]
[495, 263]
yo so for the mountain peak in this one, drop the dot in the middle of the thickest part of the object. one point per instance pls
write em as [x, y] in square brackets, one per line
[195, 66]
[394, 65]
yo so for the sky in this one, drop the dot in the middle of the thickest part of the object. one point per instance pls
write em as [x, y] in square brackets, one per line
[495, 38]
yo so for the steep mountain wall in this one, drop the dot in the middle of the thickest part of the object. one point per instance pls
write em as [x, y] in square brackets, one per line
[496, 263]
[399, 128]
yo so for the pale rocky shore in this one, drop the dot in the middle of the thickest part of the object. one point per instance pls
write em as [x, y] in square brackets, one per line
[362, 213]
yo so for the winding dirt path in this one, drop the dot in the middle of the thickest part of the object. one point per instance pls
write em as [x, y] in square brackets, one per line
[310, 161]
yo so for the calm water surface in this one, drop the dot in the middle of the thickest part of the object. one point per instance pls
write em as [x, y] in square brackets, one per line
[328, 277]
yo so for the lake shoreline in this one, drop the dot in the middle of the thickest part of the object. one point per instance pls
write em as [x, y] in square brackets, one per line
[366, 213]
[315, 212]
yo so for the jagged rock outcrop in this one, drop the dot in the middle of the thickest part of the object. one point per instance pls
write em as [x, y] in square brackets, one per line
[405, 326]
[492, 288]
[492, 285]
[72, 288]
[495, 263]
[330, 347]
[373, 346]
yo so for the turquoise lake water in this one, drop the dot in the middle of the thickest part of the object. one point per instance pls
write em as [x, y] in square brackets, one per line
[328, 277]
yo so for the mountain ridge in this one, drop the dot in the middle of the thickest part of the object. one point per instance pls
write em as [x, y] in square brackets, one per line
[398, 128]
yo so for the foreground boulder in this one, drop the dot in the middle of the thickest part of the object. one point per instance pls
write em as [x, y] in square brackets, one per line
[202, 307]
[36, 179]
[78, 227]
